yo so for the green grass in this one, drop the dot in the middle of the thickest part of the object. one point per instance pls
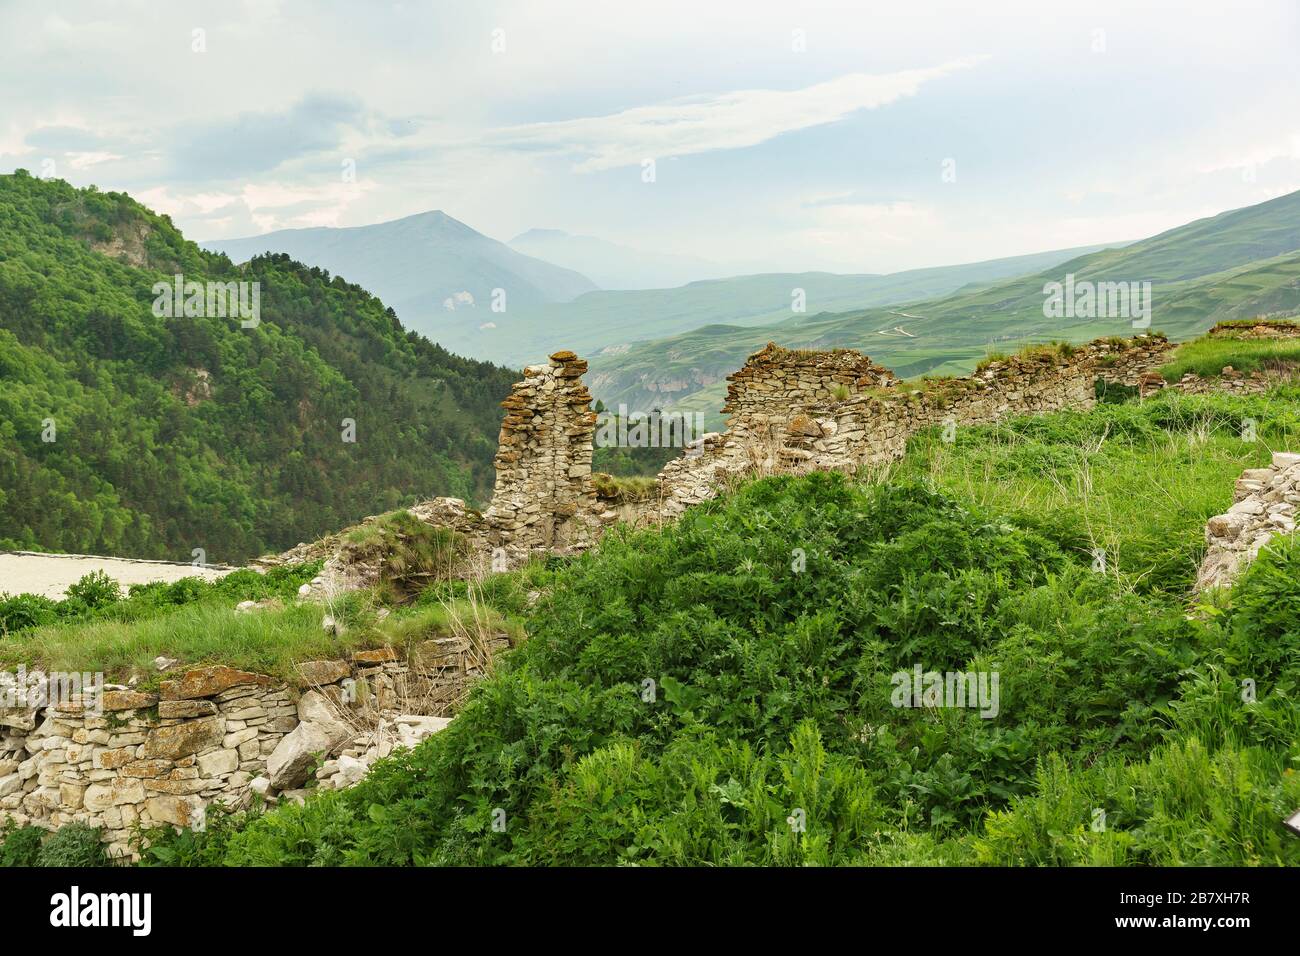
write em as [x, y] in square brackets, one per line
[1138, 481]
[1208, 356]
[624, 489]
[268, 641]
[408, 552]
[97, 597]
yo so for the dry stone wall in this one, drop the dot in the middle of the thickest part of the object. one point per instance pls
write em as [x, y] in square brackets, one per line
[1259, 329]
[124, 758]
[837, 410]
[544, 495]
[787, 410]
[1265, 501]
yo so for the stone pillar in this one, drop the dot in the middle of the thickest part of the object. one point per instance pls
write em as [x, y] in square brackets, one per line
[544, 496]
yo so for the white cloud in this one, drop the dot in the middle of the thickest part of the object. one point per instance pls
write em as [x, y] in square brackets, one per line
[732, 120]
[88, 159]
[163, 200]
[1286, 147]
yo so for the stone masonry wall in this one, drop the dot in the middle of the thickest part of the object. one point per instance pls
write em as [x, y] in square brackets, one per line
[216, 734]
[837, 410]
[787, 409]
[1265, 501]
[544, 495]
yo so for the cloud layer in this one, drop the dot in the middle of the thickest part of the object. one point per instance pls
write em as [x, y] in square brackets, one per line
[699, 124]
[896, 134]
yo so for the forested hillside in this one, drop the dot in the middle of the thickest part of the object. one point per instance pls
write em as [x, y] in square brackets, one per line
[125, 433]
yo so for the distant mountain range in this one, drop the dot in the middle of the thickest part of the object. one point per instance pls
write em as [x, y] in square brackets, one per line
[437, 273]
[1238, 264]
[660, 346]
[613, 321]
[613, 266]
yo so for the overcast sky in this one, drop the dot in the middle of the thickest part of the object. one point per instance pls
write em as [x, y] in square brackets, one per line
[784, 136]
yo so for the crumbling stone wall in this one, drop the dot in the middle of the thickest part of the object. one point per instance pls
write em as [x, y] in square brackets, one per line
[1260, 329]
[837, 410]
[217, 735]
[1233, 382]
[544, 495]
[1264, 504]
[787, 409]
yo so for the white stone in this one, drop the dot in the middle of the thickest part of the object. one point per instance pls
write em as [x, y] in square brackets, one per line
[289, 763]
[218, 762]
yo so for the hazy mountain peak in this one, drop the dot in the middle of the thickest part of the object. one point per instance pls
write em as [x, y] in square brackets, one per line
[534, 234]
[420, 262]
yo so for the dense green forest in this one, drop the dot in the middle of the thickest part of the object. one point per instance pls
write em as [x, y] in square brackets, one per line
[125, 433]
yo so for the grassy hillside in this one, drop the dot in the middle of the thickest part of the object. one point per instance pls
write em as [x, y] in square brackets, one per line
[771, 732]
[1239, 264]
[171, 434]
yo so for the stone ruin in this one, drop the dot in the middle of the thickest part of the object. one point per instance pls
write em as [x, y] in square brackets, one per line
[1264, 504]
[544, 495]
[802, 411]
[119, 758]
[791, 410]
[544, 499]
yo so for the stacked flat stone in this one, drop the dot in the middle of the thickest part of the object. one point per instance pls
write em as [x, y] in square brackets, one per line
[544, 496]
[1265, 503]
[217, 734]
[799, 411]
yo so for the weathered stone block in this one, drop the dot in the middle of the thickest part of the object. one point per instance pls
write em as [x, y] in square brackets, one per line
[218, 762]
[115, 700]
[209, 681]
[186, 709]
[315, 673]
[183, 739]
